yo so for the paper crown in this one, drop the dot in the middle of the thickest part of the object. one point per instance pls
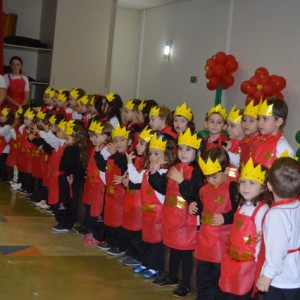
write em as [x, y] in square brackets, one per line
[96, 127]
[129, 105]
[19, 112]
[253, 173]
[154, 111]
[84, 100]
[5, 111]
[251, 109]
[62, 97]
[219, 110]
[41, 115]
[74, 93]
[110, 96]
[188, 139]
[52, 119]
[120, 131]
[29, 114]
[264, 109]
[69, 129]
[209, 167]
[61, 125]
[234, 115]
[157, 143]
[286, 153]
[49, 91]
[184, 111]
[142, 105]
[92, 101]
[146, 134]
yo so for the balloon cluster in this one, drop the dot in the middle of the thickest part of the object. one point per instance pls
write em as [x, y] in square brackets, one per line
[263, 86]
[218, 71]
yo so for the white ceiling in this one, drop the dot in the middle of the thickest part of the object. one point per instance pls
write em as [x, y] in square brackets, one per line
[143, 4]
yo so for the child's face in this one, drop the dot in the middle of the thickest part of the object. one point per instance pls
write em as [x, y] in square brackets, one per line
[235, 131]
[268, 125]
[81, 108]
[141, 146]
[47, 100]
[53, 128]
[98, 139]
[215, 124]
[27, 122]
[140, 117]
[157, 123]
[60, 133]
[130, 115]
[156, 156]
[180, 124]
[3, 119]
[249, 188]
[186, 154]
[218, 178]
[72, 102]
[121, 143]
[69, 139]
[249, 125]
[59, 104]
[93, 109]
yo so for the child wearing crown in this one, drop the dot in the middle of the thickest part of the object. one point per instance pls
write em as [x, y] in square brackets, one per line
[218, 197]
[48, 99]
[82, 108]
[179, 227]
[272, 116]
[144, 109]
[239, 261]
[62, 104]
[183, 119]
[74, 95]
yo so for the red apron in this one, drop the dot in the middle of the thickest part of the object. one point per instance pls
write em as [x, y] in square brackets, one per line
[12, 155]
[24, 158]
[38, 166]
[3, 143]
[179, 227]
[15, 91]
[246, 148]
[235, 148]
[238, 263]
[46, 174]
[211, 240]
[219, 142]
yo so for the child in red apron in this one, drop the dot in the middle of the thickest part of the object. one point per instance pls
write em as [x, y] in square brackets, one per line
[218, 198]
[183, 119]
[239, 261]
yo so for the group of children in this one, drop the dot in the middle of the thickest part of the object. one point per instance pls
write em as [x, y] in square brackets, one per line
[228, 198]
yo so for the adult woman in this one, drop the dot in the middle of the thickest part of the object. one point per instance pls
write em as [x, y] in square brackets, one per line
[17, 85]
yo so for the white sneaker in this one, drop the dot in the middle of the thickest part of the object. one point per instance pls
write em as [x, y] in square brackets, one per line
[16, 186]
[42, 202]
[44, 206]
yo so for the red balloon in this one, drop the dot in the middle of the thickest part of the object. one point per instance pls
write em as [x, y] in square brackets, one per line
[268, 90]
[251, 91]
[279, 95]
[258, 95]
[264, 80]
[254, 81]
[261, 72]
[245, 86]
[231, 65]
[210, 63]
[248, 100]
[278, 83]
[219, 71]
[209, 74]
[221, 57]
[228, 80]
[213, 83]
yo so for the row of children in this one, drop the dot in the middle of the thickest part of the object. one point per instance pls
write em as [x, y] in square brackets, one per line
[152, 194]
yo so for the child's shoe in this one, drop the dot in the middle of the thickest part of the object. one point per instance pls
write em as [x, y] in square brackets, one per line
[164, 281]
[131, 262]
[60, 228]
[139, 269]
[181, 291]
[104, 246]
[151, 274]
[123, 257]
[115, 251]
[90, 240]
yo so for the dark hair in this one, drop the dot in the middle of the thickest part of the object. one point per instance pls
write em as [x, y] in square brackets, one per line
[107, 128]
[10, 117]
[16, 58]
[146, 109]
[114, 108]
[136, 103]
[279, 110]
[190, 124]
[218, 153]
[284, 177]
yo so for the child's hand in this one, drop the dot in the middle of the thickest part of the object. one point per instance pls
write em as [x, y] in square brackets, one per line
[70, 179]
[217, 219]
[258, 236]
[154, 166]
[263, 283]
[125, 179]
[117, 179]
[130, 157]
[31, 136]
[176, 175]
[193, 208]
[111, 148]
[34, 128]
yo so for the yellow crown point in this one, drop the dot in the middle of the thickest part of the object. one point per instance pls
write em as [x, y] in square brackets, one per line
[96, 127]
[120, 131]
[146, 134]
[110, 96]
[61, 96]
[234, 115]
[84, 100]
[251, 109]
[129, 105]
[74, 93]
[62, 125]
[188, 139]
[154, 111]
[219, 110]
[52, 93]
[253, 173]
[142, 105]
[69, 129]
[49, 91]
[29, 114]
[286, 153]
[184, 111]
[264, 109]
[52, 119]
[5, 111]
[209, 167]
[41, 115]
[92, 101]
[157, 143]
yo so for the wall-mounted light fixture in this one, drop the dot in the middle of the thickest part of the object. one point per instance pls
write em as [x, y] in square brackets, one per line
[167, 50]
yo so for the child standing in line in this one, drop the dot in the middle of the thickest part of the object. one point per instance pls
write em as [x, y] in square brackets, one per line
[74, 96]
[280, 273]
[239, 261]
[179, 227]
[48, 99]
[144, 110]
[62, 103]
[218, 198]
[183, 119]
[82, 108]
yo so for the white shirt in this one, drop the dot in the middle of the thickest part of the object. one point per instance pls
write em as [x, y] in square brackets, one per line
[52, 139]
[2, 82]
[6, 132]
[283, 145]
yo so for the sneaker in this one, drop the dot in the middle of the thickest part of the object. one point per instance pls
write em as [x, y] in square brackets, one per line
[90, 240]
[40, 203]
[139, 269]
[181, 291]
[76, 228]
[151, 273]
[60, 228]
[82, 231]
[164, 281]
[23, 192]
[16, 186]
[123, 257]
[45, 206]
[115, 251]
[131, 262]
[104, 246]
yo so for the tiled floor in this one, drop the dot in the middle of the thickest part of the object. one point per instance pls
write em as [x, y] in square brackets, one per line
[37, 263]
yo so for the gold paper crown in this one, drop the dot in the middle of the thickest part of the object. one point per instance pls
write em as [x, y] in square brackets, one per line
[184, 111]
[74, 93]
[49, 91]
[146, 134]
[61, 96]
[5, 111]
[154, 111]
[188, 139]
[52, 119]
[286, 153]
[218, 109]
[69, 130]
[142, 105]
[129, 105]
[120, 131]
[84, 100]
[251, 109]
[264, 109]
[157, 143]
[61, 125]
[110, 96]
[253, 173]
[234, 115]
[19, 112]
[92, 101]
[96, 127]
[41, 115]
[29, 114]
[209, 167]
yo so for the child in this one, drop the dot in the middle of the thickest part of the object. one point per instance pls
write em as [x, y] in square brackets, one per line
[111, 108]
[280, 274]
[74, 96]
[62, 104]
[82, 108]
[218, 198]
[272, 116]
[48, 99]
[144, 109]
[179, 227]
[239, 261]
[183, 119]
